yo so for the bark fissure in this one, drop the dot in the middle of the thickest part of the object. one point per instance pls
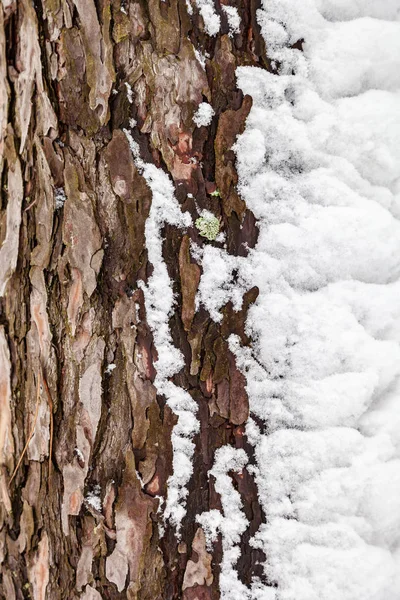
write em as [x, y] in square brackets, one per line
[76, 75]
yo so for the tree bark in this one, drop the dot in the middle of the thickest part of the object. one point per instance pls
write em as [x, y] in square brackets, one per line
[83, 516]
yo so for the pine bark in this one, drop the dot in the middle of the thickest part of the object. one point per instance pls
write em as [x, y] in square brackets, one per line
[73, 208]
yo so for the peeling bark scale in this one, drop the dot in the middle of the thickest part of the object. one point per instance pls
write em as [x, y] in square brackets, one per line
[80, 82]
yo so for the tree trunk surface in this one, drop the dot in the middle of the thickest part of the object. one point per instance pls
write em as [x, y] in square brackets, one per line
[82, 81]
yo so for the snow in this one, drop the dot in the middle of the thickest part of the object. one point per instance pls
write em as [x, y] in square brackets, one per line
[79, 454]
[129, 92]
[233, 17]
[203, 115]
[319, 166]
[231, 524]
[201, 58]
[217, 284]
[159, 301]
[212, 21]
[93, 498]
[59, 197]
[189, 7]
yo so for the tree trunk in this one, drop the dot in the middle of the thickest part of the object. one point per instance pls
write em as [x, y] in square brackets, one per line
[92, 93]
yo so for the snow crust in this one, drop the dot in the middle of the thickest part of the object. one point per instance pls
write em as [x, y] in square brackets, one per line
[319, 166]
[159, 301]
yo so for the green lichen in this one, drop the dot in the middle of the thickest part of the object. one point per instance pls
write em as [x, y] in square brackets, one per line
[216, 193]
[208, 225]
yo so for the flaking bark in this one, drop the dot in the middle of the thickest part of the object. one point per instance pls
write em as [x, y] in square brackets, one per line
[73, 74]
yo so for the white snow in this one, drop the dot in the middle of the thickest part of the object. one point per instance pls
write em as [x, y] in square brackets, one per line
[129, 92]
[212, 21]
[189, 7]
[159, 301]
[79, 454]
[202, 58]
[233, 17]
[217, 285]
[203, 115]
[319, 166]
[93, 498]
[59, 197]
[231, 524]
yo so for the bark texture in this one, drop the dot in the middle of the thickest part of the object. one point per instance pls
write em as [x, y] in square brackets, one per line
[81, 517]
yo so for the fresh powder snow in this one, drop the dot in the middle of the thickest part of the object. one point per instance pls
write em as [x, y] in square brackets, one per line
[319, 166]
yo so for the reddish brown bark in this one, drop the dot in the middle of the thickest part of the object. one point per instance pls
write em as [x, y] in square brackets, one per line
[71, 304]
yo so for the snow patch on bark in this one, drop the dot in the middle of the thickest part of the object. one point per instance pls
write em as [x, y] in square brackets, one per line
[203, 115]
[159, 300]
[231, 524]
[232, 14]
[94, 498]
[212, 21]
[224, 279]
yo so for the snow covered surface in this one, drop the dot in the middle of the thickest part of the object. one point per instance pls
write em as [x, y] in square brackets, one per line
[159, 300]
[319, 166]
